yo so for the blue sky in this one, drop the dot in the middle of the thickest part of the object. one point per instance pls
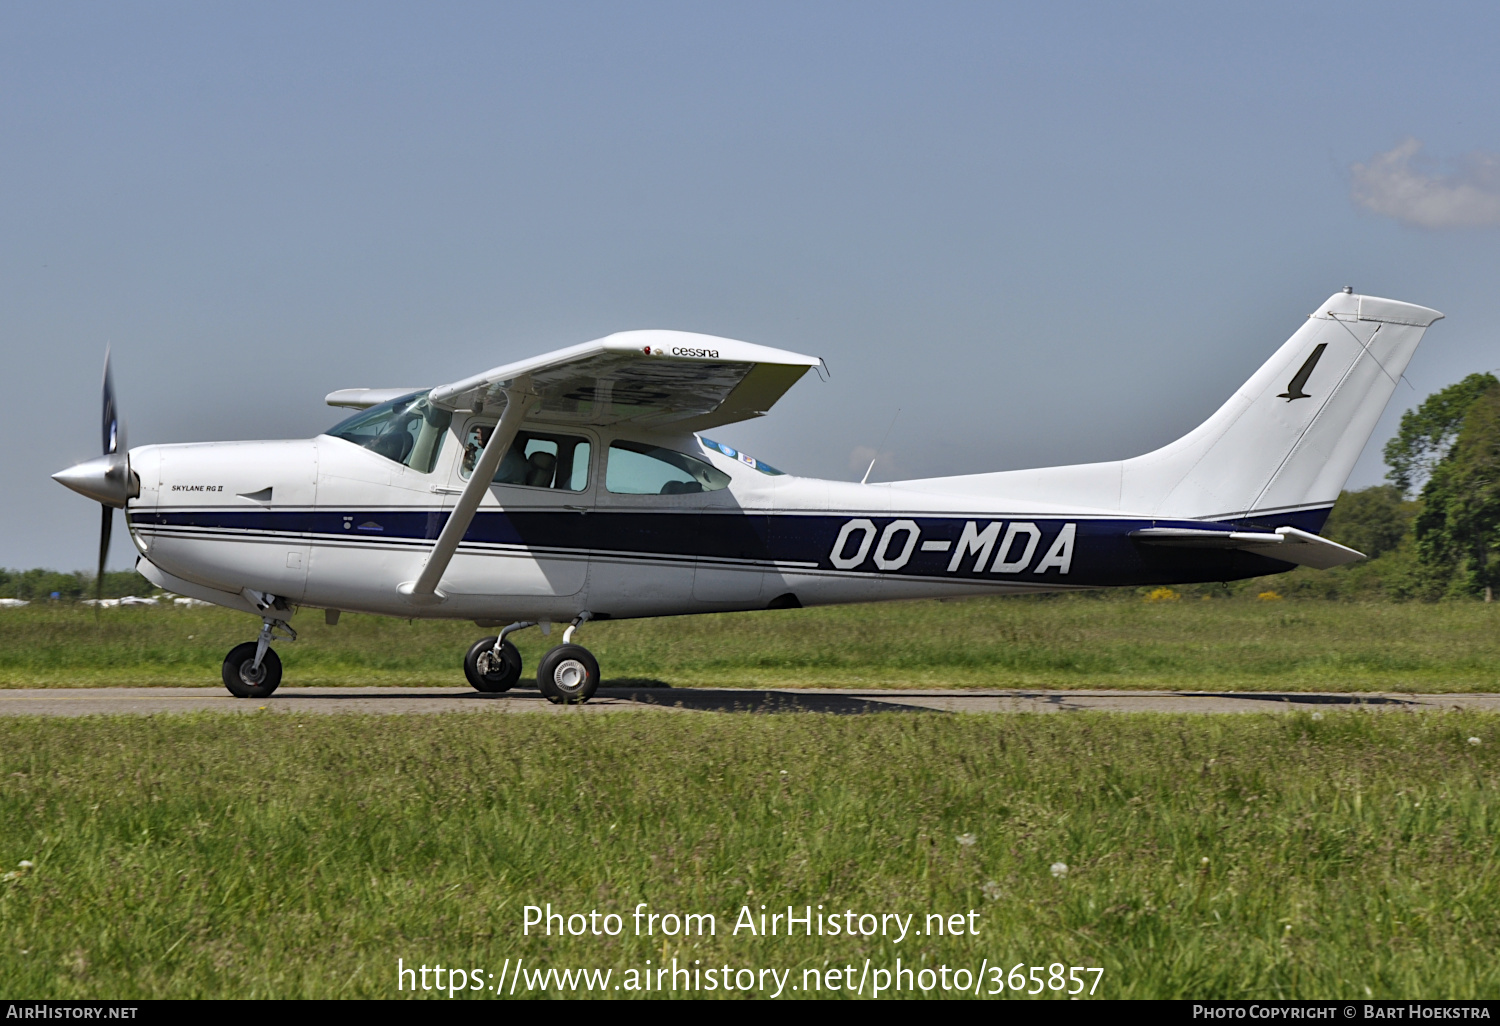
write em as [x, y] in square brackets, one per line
[1046, 233]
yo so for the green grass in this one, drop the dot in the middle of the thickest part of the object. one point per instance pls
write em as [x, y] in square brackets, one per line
[1067, 642]
[282, 856]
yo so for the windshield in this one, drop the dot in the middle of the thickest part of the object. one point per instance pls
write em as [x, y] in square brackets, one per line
[408, 430]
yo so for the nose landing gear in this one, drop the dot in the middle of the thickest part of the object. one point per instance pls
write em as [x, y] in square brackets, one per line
[253, 669]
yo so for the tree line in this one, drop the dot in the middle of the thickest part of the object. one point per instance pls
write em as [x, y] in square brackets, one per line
[1433, 532]
[41, 585]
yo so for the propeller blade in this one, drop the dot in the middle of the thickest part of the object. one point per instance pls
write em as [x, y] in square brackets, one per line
[111, 432]
[105, 478]
[105, 526]
[113, 443]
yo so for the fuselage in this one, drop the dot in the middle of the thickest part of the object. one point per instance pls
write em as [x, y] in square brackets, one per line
[328, 523]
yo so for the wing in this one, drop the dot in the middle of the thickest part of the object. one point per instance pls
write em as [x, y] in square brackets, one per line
[364, 398]
[1285, 543]
[650, 378]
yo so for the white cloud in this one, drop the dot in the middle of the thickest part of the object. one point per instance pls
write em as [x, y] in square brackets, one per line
[1402, 185]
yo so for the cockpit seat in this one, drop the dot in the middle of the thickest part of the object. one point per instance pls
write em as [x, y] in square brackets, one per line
[512, 470]
[395, 445]
[540, 468]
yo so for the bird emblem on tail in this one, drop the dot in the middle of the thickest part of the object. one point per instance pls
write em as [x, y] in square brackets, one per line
[1294, 387]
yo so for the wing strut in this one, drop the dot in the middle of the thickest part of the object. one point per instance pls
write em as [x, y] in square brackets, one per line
[424, 590]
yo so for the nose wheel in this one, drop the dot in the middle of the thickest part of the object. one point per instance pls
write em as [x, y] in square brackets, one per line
[246, 680]
[253, 669]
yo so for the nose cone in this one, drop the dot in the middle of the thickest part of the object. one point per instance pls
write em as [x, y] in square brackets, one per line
[105, 479]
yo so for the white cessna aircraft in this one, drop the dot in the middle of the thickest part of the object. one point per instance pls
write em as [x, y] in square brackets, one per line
[577, 486]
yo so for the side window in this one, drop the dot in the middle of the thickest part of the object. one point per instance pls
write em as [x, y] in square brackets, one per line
[408, 430]
[637, 468]
[534, 460]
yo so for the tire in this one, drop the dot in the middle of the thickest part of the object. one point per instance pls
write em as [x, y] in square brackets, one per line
[499, 678]
[569, 674]
[244, 684]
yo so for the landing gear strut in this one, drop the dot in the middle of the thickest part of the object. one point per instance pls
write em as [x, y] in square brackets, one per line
[253, 669]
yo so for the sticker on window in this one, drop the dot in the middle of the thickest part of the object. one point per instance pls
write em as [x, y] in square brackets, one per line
[743, 457]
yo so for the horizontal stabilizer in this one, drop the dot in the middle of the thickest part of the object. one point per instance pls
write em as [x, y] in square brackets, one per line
[1285, 543]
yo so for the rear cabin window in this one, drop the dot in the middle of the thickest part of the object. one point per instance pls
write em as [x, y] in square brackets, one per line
[534, 460]
[409, 430]
[638, 468]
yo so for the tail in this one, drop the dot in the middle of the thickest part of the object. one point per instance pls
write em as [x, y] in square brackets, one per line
[1277, 453]
[1286, 442]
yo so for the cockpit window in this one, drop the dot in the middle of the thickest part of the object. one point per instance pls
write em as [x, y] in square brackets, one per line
[533, 460]
[408, 430]
[636, 468]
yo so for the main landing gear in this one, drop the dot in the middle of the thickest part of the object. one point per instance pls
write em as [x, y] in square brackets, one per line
[494, 664]
[569, 674]
[253, 669]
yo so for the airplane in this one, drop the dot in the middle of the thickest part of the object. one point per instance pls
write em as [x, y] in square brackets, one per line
[580, 486]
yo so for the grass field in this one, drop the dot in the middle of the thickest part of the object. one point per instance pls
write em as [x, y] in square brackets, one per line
[1069, 641]
[1351, 855]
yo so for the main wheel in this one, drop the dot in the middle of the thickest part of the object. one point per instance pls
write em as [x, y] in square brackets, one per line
[568, 674]
[488, 673]
[242, 680]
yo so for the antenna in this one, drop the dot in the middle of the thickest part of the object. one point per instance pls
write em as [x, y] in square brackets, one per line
[880, 446]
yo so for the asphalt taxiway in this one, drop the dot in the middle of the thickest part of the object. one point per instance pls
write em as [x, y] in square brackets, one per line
[845, 701]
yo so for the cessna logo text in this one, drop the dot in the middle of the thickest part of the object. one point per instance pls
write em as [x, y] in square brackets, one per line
[712, 354]
[999, 547]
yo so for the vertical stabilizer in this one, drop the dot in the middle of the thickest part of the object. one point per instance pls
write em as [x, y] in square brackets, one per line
[1288, 438]
[1285, 442]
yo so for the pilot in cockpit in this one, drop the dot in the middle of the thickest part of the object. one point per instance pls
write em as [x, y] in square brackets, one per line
[479, 437]
[536, 470]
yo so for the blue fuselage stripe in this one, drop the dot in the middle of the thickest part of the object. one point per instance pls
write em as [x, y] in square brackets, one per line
[1102, 553]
